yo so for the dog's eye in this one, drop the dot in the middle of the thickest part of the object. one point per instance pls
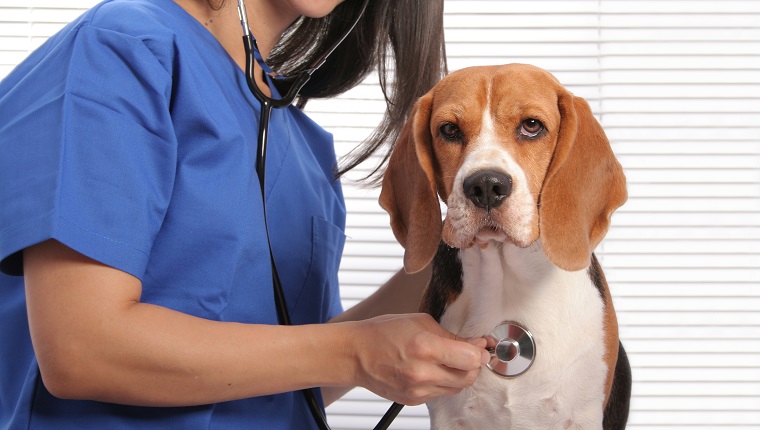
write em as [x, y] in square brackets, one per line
[450, 132]
[531, 128]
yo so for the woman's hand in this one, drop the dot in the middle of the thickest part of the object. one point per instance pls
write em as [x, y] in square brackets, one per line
[410, 359]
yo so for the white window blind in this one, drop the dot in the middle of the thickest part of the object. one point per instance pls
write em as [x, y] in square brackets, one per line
[676, 85]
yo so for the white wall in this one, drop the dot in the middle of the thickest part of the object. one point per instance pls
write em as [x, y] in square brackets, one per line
[676, 84]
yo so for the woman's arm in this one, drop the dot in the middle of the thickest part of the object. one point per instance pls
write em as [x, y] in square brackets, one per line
[95, 340]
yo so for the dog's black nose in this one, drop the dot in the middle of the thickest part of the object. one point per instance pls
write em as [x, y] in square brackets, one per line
[487, 189]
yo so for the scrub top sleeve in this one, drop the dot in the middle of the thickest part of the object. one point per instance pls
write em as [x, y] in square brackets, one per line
[89, 153]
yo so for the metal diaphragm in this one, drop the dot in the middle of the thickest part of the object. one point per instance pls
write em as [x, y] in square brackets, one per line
[512, 349]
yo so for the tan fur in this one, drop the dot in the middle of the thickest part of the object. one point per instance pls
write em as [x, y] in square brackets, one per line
[583, 186]
[409, 191]
[611, 336]
[572, 171]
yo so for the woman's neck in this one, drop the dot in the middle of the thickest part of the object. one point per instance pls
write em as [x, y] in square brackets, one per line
[266, 19]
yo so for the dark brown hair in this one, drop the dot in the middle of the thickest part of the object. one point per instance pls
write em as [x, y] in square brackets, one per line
[399, 38]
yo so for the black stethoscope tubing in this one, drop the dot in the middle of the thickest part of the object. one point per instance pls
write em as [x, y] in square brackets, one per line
[267, 104]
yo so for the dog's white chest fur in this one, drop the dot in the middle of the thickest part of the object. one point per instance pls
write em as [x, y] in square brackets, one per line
[564, 388]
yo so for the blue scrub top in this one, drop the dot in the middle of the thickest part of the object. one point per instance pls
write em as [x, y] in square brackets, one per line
[130, 136]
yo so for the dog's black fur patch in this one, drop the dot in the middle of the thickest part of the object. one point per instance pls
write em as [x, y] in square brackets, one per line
[618, 405]
[445, 282]
[597, 277]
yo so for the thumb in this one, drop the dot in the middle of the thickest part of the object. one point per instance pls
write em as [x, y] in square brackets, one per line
[480, 342]
[476, 341]
[464, 353]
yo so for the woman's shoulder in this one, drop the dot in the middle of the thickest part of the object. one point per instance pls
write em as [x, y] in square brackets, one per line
[155, 24]
[152, 21]
[135, 17]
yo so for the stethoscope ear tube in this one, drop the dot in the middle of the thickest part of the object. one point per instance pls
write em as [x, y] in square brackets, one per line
[300, 81]
[267, 104]
[281, 306]
[283, 316]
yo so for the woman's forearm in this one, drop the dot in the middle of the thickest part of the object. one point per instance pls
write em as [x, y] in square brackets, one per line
[95, 340]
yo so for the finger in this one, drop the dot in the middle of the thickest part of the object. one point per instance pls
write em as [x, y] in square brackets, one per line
[480, 342]
[490, 342]
[453, 379]
[462, 355]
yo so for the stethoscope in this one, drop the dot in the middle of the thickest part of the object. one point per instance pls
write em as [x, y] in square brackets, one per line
[267, 104]
[513, 348]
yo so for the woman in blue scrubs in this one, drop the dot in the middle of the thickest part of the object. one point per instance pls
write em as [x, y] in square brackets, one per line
[136, 289]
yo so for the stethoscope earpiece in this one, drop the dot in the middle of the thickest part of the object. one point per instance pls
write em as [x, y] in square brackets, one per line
[512, 349]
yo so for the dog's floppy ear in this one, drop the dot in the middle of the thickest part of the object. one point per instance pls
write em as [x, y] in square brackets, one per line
[409, 192]
[584, 184]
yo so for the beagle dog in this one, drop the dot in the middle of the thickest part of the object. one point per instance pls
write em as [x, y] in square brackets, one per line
[530, 183]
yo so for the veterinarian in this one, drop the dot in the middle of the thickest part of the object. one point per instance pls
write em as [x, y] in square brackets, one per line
[137, 286]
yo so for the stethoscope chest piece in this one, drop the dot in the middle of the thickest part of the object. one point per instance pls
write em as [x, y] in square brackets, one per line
[512, 349]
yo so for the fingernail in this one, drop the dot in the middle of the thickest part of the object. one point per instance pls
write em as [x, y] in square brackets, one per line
[485, 357]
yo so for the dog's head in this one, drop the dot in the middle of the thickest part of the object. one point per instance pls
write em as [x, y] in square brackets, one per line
[514, 156]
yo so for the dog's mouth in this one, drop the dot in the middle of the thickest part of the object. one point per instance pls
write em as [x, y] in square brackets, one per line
[490, 233]
[465, 227]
